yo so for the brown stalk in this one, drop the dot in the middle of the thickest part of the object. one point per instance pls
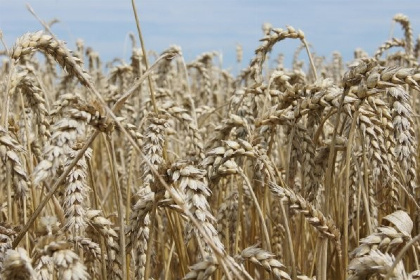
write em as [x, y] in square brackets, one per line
[143, 48]
[120, 204]
[347, 196]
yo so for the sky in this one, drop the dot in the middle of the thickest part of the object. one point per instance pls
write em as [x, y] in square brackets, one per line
[199, 26]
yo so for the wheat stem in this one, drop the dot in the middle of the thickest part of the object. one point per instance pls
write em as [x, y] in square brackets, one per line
[311, 61]
[257, 206]
[289, 241]
[120, 205]
[143, 48]
[347, 195]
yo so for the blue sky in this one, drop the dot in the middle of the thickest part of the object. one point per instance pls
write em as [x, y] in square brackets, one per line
[202, 25]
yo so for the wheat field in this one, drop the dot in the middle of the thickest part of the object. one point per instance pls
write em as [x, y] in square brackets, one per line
[158, 168]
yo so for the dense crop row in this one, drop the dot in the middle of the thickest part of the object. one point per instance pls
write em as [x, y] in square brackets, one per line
[181, 170]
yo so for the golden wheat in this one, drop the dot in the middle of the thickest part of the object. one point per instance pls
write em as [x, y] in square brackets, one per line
[201, 174]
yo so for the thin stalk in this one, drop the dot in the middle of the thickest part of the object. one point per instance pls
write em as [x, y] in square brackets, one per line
[169, 259]
[176, 230]
[323, 262]
[259, 211]
[96, 204]
[347, 195]
[143, 48]
[9, 190]
[365, 188]
[289, 241]
[29, 162]
[311, 61]
[25, 219]
[312, 268]
[120, 205]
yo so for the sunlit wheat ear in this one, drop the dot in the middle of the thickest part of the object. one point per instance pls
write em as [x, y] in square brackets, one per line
[264, 259]
[397, 76]
[203, 270]
[66, 262]
[394, 42]
[192, 182]
[24, 80]
[140, 223]
[69, 125]
[326, 96]
[7, 235]
[276, 35]
[130, 157]
[166, 73]
[72, 115]
[10, 150]
[227, 220]
[139, 228]
[121, 76]
[99, 224]
[387, 239]
[375, 263]
[194, 147]
[17, 265]
[405, 148]
[204, 82]
[266, 28]
[370, 126]
[217, 149]
[91, 254]
[381, 116]
[326, 227]
[76, 193]
[31, 42]
[408, 31]
[303, 151]
[44, 268]
[400, 58]
[278, 236]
